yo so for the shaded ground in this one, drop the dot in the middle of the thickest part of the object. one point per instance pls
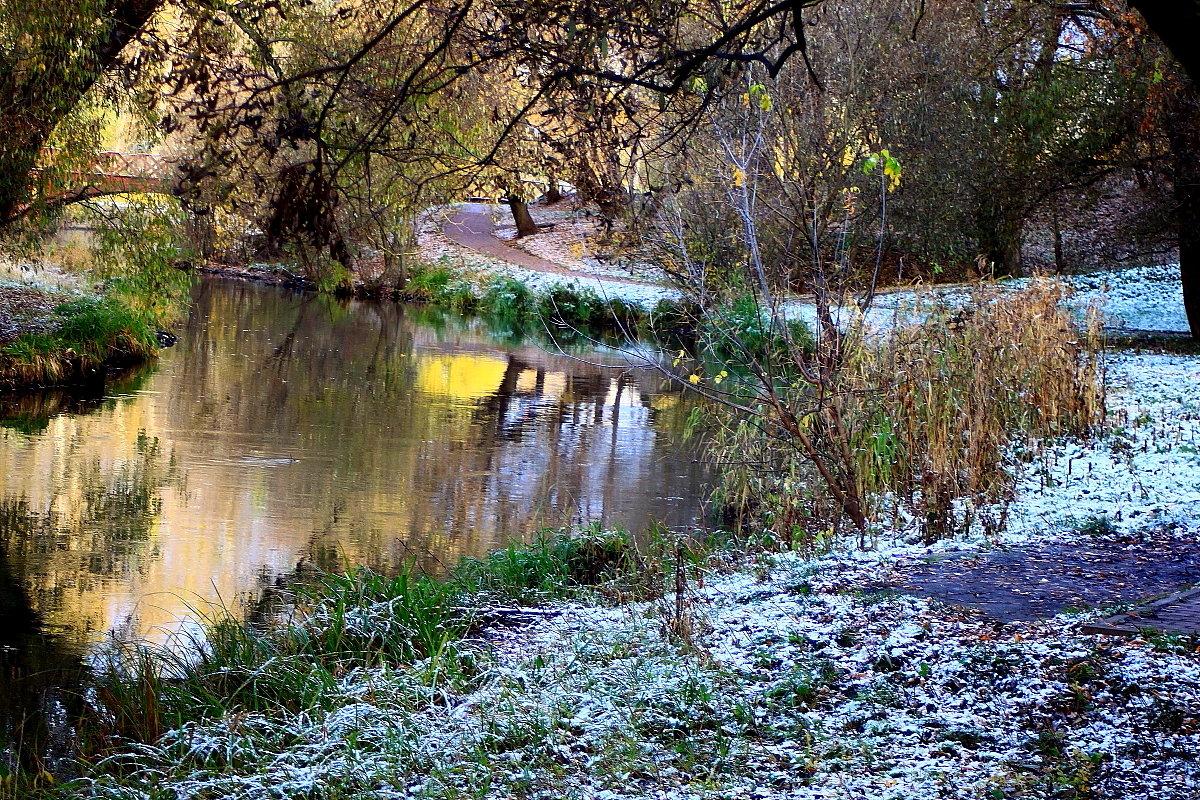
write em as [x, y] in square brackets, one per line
[1036, 582]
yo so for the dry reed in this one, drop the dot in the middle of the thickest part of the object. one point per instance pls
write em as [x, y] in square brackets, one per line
[928, 417]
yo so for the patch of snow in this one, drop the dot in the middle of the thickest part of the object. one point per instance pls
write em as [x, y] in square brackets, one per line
[1140, 299]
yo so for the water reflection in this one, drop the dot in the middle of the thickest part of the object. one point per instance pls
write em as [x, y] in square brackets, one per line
[39, 668]
[285, 428]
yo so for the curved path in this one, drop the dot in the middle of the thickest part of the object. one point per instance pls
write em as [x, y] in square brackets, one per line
[471, 226]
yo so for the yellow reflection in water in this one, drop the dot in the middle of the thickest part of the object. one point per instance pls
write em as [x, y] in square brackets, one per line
[461, 376]
[285, 429]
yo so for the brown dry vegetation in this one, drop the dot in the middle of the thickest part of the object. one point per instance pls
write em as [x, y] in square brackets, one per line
[928, 417]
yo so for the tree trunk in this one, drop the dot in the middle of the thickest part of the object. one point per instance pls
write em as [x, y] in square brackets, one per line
[999, 233]
[75, 48]
[553, 193]
[18, 157]
[1060, 261]
[1183, 131]
[520, 211]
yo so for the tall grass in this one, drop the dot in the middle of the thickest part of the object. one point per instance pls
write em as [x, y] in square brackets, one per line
[336, 625]
[89, 333]
[929, 417]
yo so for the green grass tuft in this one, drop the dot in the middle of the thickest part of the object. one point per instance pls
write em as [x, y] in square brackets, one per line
[90, 332]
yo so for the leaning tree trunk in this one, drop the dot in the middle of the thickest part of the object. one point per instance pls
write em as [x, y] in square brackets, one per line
[75, 48]
[520, 211]
[1183, 131]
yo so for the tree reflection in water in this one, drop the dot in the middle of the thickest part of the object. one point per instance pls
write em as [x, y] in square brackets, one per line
[285, 428]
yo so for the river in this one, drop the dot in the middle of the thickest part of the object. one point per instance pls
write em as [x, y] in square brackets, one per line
[286, 429]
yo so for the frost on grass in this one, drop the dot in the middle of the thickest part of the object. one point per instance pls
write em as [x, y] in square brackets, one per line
[1145, 472]
[1138, 299]
[785, 690]
[795, 681]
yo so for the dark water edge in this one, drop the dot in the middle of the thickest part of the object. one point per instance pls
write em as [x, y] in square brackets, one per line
[291, 429]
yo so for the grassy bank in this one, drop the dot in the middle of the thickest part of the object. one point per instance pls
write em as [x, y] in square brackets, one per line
[418, 640]
[512, 300]
[76, 342]
[506, 300]
[780, 678]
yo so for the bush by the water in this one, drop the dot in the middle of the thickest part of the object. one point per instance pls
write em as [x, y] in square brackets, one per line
[515, 302]
[919, 422]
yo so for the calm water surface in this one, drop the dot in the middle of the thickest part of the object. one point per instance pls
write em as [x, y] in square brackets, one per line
[285, 429]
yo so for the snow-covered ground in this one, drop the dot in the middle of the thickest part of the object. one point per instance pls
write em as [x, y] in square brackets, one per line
[1142, 298]
[785, 680]
[575, 241]
[1145, 472]
[1139, 299]
[785, 677]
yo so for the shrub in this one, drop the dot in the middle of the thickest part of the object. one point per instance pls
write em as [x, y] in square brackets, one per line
[741, 331]
[428, 282]
[917, 424]
[566, 305]
[507, 298]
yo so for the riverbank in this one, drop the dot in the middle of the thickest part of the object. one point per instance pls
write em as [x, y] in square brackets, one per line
[61, 334]
[781, 678]
[592, 666]
[566, 253]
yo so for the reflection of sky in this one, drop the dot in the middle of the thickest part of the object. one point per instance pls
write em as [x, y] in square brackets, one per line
[287, 429]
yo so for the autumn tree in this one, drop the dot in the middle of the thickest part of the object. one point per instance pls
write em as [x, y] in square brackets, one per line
[51, 55]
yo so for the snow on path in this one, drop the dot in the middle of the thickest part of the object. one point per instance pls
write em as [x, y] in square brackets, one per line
[470, 226]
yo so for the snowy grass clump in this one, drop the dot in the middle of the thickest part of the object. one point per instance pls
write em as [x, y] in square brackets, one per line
[1144, 473]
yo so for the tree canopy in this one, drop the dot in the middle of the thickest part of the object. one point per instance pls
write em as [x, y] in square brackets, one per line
[331, 125]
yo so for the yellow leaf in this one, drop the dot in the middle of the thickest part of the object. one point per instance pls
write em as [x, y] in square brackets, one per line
[739, 177]
[693, 378]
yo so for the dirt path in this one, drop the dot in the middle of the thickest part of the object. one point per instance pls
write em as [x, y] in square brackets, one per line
[471, 226]
[1030, 583]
